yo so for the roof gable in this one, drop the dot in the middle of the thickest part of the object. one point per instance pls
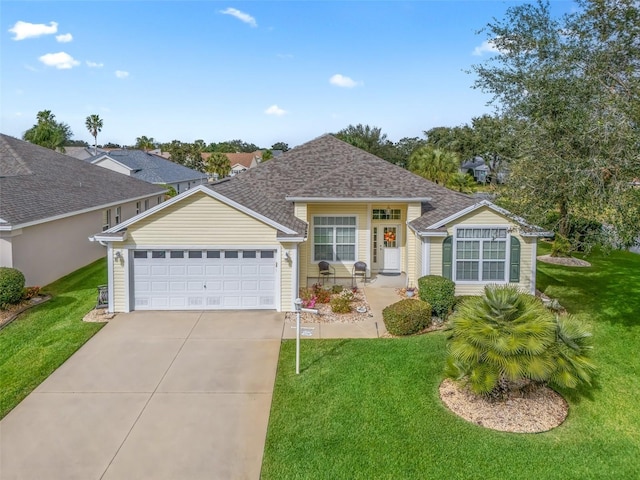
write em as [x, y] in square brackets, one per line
[211, 193]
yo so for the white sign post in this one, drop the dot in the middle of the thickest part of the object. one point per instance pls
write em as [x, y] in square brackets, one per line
[299, 309]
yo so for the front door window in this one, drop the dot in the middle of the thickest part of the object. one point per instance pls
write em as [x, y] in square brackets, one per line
[390, 237]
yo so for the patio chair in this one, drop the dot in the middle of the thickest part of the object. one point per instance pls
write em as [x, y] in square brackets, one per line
[325, 270]
[359, 270]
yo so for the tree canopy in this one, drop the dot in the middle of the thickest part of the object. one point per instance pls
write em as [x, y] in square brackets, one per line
[571, 88]
[48, 132]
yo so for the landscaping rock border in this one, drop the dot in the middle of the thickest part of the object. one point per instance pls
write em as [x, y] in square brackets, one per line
[532, 409]
[8, 316]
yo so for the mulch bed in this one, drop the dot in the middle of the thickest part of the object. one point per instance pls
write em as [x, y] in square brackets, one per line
[566, 261]
[531, 409]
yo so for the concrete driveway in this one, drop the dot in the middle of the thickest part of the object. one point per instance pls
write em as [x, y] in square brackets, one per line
[153, 395]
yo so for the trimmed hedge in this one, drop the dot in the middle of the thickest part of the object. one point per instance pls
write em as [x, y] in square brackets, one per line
[439, 292]
[407, 317]
[11, 286]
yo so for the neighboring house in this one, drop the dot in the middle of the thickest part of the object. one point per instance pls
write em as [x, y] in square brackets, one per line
[50, 203]
[240, 162]
[82, 153]
[252, 240]
[150, 168]
[480, 171]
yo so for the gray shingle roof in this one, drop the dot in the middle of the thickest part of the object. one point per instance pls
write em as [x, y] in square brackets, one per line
[152, 168]
[328, 168]
[37, 183]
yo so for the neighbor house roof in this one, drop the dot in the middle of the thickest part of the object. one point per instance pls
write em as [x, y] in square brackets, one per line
[81, 153]
[151, 168]
[328, 169]
[38, 184]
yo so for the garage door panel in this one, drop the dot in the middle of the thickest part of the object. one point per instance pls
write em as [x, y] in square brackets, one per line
[159, 286]
[213, 270]
[178, 286]
[231, 270]
[198, 270]
[249, 270]
[157, 270]
[177, 270]
[192, 279]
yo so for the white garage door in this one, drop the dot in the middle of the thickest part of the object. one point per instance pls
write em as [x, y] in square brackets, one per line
[204, 279]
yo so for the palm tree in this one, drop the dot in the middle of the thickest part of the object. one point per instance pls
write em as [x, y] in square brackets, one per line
[218, 164]
[94, 125]
[507, 336]
[145, 143]
[434, 164]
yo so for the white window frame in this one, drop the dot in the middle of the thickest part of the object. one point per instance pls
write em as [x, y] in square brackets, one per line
[355, 244]
[118, 215]
[138, 204]
[106, 220]
[454, 255]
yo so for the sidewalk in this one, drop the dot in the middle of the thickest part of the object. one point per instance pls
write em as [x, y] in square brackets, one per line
[380, 292]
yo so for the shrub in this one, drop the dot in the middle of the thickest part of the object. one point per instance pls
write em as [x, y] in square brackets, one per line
[308, 297]
[11, 286]
[407, 317]
[337, 289]
[341, 304]
[30, 292]
[322, 294]
[507, 336]
[460, 299]
[439, 292]
[561, 246]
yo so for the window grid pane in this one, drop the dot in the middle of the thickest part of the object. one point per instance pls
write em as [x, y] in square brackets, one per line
[334, 238]
[467, 270]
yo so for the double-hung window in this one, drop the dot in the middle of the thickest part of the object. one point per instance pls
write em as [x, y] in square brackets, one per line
[334, 239]
[106, 219]
[481, 254]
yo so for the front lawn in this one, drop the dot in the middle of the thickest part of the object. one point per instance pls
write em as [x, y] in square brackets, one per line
[42, 338]
[370, 408]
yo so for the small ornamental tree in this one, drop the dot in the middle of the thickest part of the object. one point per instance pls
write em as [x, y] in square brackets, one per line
[507, 336]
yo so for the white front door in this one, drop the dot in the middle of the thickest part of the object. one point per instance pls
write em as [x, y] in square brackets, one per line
[386, 248]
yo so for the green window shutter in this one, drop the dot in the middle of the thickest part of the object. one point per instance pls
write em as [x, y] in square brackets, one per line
[447, 257]
[514, 270]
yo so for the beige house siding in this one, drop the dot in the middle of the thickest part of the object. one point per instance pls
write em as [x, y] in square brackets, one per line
[202, 221]
[418, 260]
[111, 165]
[487, 216]
[50, 250]
[300, 211]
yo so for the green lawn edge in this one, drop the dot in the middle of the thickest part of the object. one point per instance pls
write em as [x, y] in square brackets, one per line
[370, 408]
[42, 338]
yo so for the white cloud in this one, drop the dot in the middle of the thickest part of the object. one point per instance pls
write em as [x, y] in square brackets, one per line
[243, 17]
[275, 110]
[60, 60]
[122, 74]
[64, 38]
[488, 46]
[342, 81]
[91, 64]
[24, 30]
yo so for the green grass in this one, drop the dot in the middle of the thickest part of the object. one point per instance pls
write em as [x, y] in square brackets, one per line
[42, 338]
[370, 408]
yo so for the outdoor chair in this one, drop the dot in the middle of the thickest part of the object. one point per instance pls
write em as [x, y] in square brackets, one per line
[325, 270]
[359, 270]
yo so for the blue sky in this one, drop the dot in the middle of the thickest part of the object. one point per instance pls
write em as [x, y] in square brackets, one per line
[259, 71]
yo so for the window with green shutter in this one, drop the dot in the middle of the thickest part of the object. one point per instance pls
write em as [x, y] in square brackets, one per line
[447, 257]
[514, 270]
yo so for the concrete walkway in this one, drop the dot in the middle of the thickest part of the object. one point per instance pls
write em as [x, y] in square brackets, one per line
[153, 395]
